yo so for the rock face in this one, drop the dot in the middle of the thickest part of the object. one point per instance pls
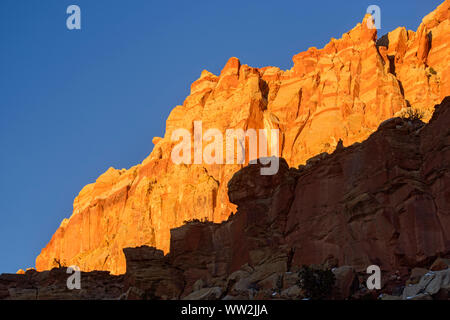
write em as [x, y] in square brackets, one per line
[385, 201]
[341, 92]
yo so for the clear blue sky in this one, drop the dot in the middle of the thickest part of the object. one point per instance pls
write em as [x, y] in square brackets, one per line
[73, 103]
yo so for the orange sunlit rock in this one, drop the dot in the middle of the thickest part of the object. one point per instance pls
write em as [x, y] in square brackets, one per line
[341, 92]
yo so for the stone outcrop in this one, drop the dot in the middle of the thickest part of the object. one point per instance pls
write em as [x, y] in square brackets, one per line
[339, 93]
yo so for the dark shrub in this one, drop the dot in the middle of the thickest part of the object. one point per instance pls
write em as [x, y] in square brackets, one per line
[317, 284]
[412, 114]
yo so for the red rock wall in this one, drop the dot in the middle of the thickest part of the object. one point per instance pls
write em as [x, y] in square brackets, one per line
[385, 201]
[343, 91]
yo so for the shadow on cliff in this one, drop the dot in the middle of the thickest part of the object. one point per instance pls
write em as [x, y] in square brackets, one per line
[385, 201]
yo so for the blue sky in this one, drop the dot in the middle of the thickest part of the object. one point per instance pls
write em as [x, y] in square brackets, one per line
[74, 103]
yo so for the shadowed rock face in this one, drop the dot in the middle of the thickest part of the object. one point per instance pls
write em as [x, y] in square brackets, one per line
[385, 201]
[343, 91]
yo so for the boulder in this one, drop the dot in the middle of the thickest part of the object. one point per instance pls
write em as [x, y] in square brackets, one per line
[346, 282]
[440, 264]
[430, 284]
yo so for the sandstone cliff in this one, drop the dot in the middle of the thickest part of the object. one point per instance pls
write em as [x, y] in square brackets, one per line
[343, 91]
[385, 201]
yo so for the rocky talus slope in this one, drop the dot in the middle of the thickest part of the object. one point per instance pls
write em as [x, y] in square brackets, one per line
[385, 201]
[343, 91]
